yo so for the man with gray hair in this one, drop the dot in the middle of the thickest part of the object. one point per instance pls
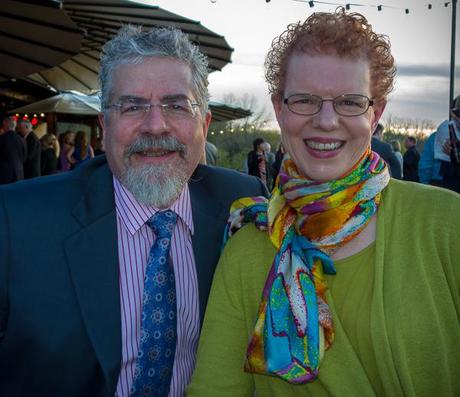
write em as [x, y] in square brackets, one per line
[111, 300]
[12, 153]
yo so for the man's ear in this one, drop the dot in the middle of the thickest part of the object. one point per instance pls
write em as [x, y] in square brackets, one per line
[101, 118]
[206, 122]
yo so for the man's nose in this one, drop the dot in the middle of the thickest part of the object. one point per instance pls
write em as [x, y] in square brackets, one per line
[154, 120]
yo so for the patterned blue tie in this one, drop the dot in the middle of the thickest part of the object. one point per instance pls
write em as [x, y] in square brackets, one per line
[152, 375]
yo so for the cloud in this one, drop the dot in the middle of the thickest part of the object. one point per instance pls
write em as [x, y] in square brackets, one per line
[427, 70]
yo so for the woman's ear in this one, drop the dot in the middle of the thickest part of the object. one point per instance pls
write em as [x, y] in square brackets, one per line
[378, 109]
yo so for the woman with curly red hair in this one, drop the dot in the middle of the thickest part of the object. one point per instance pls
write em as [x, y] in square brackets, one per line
[345, 282]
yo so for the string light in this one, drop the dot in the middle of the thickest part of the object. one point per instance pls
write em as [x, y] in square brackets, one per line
[312, 3]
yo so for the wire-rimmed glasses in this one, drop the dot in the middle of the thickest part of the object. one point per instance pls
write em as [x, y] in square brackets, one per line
[175, 108]
[345, 105]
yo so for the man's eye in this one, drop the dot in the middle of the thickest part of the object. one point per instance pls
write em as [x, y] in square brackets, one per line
[130, 108]
[178, 107]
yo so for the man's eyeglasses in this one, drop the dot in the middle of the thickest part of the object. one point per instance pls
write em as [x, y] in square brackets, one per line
[135, 108]
[344, 105]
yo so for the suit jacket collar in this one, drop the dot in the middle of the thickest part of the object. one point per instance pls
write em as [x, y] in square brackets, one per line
[92, 256]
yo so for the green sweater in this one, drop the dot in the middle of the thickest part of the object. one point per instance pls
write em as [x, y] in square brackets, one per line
[397, 332]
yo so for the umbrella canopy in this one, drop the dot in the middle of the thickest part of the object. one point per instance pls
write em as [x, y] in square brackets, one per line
[35, 35]
[67, 102]
[77, 103]
[222, 112]
[100, 21]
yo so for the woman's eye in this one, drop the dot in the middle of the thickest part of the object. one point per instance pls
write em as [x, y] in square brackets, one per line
[303, 101]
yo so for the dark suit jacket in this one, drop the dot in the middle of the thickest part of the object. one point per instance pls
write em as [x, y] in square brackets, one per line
[12, 157]
[59, 288]
[32, 167]
[386, 152]
[410, 161]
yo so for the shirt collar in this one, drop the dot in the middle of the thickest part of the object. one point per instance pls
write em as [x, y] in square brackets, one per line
[134, 214]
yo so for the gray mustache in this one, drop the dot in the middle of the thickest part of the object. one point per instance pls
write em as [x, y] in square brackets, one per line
[148, 142]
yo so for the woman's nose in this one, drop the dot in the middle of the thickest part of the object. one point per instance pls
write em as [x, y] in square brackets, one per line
[327, 118]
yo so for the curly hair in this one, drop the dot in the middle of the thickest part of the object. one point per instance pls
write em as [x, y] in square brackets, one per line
[349, 35]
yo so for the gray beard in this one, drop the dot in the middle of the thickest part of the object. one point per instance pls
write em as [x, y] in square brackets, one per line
[154, 185]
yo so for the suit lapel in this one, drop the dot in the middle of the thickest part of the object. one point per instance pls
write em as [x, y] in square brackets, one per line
[209, 217]
[92, 256]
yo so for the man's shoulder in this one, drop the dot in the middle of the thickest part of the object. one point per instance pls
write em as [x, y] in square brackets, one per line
[227, 181]
[57, 187]
[382, 148]
[215, 173]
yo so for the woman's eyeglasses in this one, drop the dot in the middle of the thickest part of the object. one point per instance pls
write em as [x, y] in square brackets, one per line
[344, 105]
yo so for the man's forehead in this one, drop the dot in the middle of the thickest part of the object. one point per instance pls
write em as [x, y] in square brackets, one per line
[142, 99]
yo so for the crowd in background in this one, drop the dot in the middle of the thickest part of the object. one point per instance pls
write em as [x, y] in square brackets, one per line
[23, 155]
[438, 163]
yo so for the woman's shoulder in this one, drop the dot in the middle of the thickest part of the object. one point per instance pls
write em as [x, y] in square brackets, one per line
[417, 195]
[415, 206]
[248, 238]
[249, 251]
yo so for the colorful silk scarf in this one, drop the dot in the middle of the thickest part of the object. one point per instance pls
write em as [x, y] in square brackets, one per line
[306, 221]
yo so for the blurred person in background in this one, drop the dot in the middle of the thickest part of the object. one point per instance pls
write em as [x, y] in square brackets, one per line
[386, 152]
[66, 142]
[81, 150]
[32, 167]
[279, 155]
[270, 163]
[49, 158]
[396, 147]
[429, 168]
[345, 282]
[410, 159]
[13, 152]
[447, 148]
[257, 162]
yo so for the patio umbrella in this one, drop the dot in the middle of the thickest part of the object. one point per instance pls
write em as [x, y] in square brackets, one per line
[222, 112]
[100, 21]
[35, 35]
[77, 103]
[66, 102]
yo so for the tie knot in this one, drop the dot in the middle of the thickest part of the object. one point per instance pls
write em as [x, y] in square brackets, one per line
[163, 223]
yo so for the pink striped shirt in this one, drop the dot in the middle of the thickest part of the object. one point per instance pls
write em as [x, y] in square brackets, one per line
[134, 241]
